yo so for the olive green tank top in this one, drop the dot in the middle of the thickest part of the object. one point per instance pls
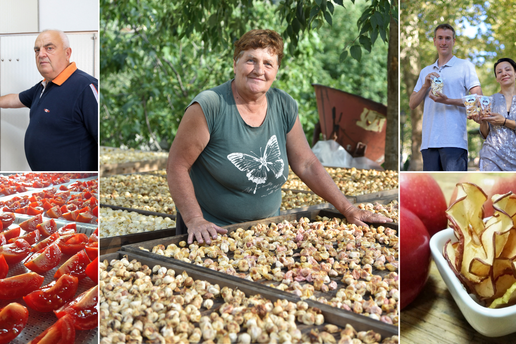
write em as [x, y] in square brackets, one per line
[238, 176]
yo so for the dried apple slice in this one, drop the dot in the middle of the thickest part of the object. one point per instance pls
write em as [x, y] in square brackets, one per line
[509, 250]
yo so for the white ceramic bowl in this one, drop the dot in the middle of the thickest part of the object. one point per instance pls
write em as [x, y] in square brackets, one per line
[488, 322]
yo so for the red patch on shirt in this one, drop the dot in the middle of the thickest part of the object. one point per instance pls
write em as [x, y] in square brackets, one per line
[47, 110]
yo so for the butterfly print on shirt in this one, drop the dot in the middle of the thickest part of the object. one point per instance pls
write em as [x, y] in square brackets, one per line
[256, 168]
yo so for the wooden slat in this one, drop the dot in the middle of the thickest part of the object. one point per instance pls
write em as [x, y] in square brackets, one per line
[434, 317]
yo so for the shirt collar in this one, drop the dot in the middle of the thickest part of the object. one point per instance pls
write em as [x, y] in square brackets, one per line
[450, 63]
[63, 76]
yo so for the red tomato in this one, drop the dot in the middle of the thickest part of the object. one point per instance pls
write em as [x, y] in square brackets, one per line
[95, 211]
[47, 205]
[96, 232]
[7, 219]
[47, 228]
[11, 233]
[13, 319]
[85, 217]
[15, 252]
[53, 295]
[30, 237]
[54, 212]
[37, 184]
[21, 210]
[62, 332]
[84, 310]
[75, 266]
[72, 215]
[20, 285]
[63, 187]
[92, 270]
[4, 267]
[70, 228]
[73, 244]
[21, 188]
[44, 243]
[45, 259]
[92, 250]
[30, 224]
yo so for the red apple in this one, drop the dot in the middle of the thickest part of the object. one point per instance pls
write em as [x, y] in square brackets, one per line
[414, 256]
[420, 193]
[501, 186]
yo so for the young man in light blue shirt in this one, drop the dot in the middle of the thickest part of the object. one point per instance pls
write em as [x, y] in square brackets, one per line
[445, 138]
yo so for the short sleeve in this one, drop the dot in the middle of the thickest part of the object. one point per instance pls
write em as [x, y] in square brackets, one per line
[470, 76]
[210, 105]
[419, 83]
[87, 109]
[26, 97]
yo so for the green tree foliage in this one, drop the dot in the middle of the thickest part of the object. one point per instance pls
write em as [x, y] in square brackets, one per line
[495, 38]
[157, 55]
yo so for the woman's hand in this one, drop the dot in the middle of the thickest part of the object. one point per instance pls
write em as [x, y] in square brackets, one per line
[359, 217]
[494, 118]
[203, 230]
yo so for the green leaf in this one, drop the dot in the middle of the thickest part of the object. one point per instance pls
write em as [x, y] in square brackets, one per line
[343, 56]
[296, 25]
[316, 24]
[383, 34]
[328, 18]
[340, 2]
[365, 42]
[374, 35]
[379, 19]
[330, 7]
[318, 2]
[315, 11]
[366, 27]
[356, 52]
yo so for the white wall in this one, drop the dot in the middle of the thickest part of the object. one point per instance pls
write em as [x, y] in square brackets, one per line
[69, 15]
[20, 22]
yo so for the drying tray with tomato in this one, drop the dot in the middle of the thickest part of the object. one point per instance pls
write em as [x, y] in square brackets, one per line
[73, 201]
[59, 271]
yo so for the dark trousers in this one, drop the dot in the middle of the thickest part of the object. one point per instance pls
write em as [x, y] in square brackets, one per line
[445, 159]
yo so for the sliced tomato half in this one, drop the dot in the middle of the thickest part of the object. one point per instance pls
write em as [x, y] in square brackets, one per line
[19, 285]
[70, 228]
[11, 233]
[47, 228]
[45, 259]
[13, 319]
[73, 244]
[15, 252]
[92, 270]
[31, 224]
[72, 215]
[62, 332]
[4, 267]
[7, 219]
[30, 237]
[45, 242]
[75, 266]
[92, 250]
[83, 309]
[54, 212]
[54, 295]
[85, 217]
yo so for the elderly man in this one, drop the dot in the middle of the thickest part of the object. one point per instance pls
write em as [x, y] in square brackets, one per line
[63, 130]
[445, 137]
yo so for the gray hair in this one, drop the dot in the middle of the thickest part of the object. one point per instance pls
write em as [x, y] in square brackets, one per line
[64, 37]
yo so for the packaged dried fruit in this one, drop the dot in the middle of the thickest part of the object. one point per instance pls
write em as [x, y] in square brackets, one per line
[471, 104]
[485, 105]
[437, 86]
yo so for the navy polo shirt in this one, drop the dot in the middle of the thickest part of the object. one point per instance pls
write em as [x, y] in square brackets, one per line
[63, 130]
